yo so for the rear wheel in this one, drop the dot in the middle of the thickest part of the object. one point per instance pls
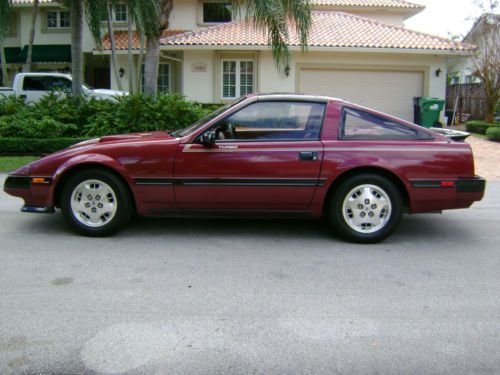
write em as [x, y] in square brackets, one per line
[96, 203]
[365, 208]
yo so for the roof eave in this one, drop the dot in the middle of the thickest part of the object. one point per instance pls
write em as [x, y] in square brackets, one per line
[415, 51]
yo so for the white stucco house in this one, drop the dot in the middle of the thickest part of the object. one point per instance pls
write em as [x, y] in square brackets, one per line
[462, 67]
[358, 50]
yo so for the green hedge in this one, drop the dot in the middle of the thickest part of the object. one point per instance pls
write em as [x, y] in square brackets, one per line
[479, 127]
[63, 117]
[35, 146]
[493, 133]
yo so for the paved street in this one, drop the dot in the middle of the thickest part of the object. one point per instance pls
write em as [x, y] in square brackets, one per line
[242, 297]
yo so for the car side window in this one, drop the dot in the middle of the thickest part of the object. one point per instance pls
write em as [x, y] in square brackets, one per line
[273, 121]
[47, 84]
[34, 84]
[362, 125]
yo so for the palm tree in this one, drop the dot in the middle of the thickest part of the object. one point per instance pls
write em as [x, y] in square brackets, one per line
[34, 15]
[271, 16]
[95, 12]
[76, 13]
[143, 14]
[4, 27]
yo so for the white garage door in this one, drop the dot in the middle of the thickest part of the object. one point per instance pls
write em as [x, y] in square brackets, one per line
[386, 91]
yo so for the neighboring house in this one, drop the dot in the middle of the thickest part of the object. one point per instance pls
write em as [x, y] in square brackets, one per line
[358, 50]
[461, 69]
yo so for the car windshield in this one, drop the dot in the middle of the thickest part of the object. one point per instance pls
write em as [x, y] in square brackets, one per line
[193, 127]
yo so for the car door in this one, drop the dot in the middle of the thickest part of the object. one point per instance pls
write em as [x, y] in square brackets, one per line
[266, 157]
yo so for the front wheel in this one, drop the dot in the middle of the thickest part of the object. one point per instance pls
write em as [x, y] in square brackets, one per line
[95, 203]
[365, 208]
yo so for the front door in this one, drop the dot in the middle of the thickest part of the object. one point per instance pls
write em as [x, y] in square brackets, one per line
[266, 157]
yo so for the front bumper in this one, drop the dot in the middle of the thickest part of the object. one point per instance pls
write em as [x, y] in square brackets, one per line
[33, 190]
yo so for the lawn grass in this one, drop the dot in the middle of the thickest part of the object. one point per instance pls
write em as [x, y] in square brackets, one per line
[9, 163]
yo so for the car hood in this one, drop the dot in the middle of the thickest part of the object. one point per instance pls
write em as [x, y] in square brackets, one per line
[109, 92]
[121, 138]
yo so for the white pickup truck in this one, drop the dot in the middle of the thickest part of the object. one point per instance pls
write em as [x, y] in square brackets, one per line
[33, 86]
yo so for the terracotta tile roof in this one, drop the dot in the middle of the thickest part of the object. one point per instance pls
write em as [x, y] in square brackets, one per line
[121, 38]
[30, 2]
[329, 29]
[369, 3]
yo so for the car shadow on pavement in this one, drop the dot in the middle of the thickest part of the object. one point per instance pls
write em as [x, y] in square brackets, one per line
[430, 227]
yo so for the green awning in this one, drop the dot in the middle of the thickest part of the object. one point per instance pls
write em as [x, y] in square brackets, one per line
[48, 53]
[12, 55]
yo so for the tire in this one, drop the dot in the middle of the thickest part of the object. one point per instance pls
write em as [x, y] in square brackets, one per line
[365, 208]
[96, 203]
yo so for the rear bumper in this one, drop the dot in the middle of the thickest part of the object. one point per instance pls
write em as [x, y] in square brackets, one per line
[445, 194]
[473, 185]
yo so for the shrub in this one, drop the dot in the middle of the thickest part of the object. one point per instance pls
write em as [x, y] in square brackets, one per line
[493, 133]
[479, 127]
[138, 113]
[10, 105]
[62, 117]
[36, 146]
[28, 125]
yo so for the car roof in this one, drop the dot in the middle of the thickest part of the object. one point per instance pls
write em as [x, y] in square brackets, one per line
[290, 96]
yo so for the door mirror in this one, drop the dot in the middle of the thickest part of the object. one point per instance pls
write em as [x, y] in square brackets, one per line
[208, 138]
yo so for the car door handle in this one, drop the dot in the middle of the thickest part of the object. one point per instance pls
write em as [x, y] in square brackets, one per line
[308, 155]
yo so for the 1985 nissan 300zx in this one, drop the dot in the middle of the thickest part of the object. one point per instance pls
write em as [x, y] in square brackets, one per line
[264, 155]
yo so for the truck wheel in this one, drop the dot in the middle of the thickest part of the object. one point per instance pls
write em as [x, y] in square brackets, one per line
[95, 203]
[365, 208]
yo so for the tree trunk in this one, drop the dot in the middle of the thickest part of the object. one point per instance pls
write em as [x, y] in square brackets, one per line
[138, 72]
[151, 66]
[114, 62]
[152, 62]
[76, 11]
[29, 57]
[4, 81]
[129, 53]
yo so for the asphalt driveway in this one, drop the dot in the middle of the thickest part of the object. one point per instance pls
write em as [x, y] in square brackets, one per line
[240, 297]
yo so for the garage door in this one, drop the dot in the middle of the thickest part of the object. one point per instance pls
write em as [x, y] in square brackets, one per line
[386, 91]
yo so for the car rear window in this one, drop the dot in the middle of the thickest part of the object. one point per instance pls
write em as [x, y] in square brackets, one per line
[362, 125]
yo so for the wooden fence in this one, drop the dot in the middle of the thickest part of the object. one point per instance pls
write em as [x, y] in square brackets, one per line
[471, 101]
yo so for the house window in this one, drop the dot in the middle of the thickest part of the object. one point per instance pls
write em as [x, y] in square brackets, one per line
[237, 78]
[12, 28]
[121, 13]
[58, 20]
[216, 12]
[163, 78]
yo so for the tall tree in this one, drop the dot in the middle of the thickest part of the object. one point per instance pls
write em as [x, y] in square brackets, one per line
[4, 27]
[274, 17]
[76, 13]
[111, 33]
[487, 61]
[29, 57]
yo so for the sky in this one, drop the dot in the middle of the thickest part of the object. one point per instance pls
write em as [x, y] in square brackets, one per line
[441, 17]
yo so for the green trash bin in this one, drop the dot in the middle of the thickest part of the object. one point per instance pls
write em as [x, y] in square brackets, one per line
[430, 111]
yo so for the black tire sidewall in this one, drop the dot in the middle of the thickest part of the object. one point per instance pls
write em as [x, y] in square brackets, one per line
[336, 217]
[123, 212]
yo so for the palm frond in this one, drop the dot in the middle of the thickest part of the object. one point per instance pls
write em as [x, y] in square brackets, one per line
[275, 18]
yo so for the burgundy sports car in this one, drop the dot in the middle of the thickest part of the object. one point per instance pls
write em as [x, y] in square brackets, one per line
[263, 155]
